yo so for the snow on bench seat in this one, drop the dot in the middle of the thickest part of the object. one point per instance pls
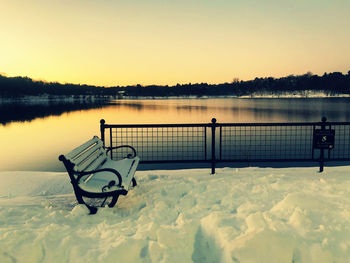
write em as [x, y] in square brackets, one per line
[95, 182]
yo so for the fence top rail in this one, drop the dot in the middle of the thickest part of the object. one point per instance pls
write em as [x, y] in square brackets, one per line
[223, 124]
[283, 124]
[156, 125]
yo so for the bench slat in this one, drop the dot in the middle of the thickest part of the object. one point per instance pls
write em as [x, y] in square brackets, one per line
[92, 162]
[82, 157]
[97, 163]
[71, 155]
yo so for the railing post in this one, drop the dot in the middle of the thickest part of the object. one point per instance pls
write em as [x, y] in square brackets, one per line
[102, 128]
[213, 148]
[323, 127]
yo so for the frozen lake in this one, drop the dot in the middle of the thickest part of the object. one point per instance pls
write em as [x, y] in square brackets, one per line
[35, 142]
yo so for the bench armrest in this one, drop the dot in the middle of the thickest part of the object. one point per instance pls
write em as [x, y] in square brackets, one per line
[81, 174]
[123, 146]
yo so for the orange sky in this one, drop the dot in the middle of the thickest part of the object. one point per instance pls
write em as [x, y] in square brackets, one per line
[167, 42]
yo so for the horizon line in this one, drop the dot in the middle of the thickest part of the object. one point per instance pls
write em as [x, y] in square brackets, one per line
[4, 74]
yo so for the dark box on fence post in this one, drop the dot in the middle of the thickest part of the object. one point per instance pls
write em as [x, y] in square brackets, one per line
[323, 139]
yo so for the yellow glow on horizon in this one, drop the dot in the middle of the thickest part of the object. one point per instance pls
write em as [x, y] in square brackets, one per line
[117, 43]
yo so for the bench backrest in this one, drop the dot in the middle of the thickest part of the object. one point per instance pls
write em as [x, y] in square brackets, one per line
[89, 156]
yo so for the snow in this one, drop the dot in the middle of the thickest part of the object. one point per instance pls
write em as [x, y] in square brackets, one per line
[237, 215]
[256, 95]
[295, 94]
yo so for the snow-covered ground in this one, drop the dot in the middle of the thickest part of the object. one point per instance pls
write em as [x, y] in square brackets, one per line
[238, 215]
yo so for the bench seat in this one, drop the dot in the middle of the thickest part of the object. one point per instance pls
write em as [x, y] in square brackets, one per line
[95, 182]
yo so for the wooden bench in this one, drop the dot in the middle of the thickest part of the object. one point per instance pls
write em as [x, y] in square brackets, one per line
[94, 175]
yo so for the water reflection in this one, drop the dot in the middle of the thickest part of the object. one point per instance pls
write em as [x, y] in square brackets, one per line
[20, 112]
[49, 131]
[243, 110]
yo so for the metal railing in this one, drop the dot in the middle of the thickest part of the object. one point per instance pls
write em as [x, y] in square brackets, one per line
[232, 142]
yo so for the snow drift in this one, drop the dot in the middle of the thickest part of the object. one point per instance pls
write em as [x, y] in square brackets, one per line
[237, 215]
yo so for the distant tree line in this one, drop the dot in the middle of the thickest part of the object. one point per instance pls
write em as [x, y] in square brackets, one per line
[331, 84]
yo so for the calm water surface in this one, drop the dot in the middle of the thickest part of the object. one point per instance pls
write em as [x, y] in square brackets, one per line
[36, 144]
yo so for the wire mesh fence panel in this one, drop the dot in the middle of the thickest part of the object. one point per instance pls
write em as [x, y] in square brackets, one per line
[341, 148]
[161, 143]
[266, 142]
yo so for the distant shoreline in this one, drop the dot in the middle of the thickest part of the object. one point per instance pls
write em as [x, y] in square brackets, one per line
[44, 99]
[310, 95]
[329, 85]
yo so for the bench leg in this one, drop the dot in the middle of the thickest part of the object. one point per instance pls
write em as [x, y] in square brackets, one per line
[133, 182]
[114, 201]
[93, 210]
[78, 195]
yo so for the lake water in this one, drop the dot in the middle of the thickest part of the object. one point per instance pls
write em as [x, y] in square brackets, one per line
[35, 144]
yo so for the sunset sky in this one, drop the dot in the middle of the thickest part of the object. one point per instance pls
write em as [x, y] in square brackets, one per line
[112, 42]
